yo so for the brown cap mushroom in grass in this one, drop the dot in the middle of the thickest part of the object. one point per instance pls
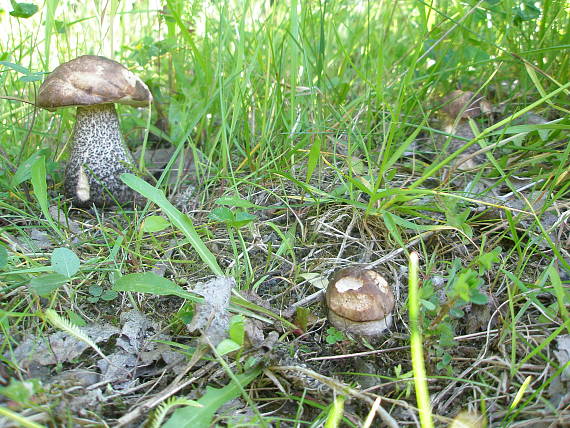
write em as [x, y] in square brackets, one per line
[465, 104]
[457, 108]
[98, 155]
[359, 301]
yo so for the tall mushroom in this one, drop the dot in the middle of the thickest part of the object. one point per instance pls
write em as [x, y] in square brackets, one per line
[98, 155]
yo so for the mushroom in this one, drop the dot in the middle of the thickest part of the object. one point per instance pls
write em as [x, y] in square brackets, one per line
[99, 154]
[359, 301]
[465, 104]
[458, 107]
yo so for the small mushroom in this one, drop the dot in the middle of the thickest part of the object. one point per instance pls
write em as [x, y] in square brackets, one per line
[465, 104]
[359, 301]
[458, 107]
[99, 154]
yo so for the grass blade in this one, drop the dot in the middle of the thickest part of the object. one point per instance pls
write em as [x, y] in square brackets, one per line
[38, 179]
[20, 420]
[180, 220]
[198, 417]
[149, 282]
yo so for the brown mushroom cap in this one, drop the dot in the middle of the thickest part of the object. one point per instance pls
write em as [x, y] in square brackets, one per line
[359, 295]
[466, 104]
[91, 80]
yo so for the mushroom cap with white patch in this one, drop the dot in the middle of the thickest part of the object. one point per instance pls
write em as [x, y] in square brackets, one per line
[359, 295]
[91, 80]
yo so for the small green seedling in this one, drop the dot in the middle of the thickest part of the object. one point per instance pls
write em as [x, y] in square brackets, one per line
[236, 335]
[237, 219]
[334, 336]
[464, 285]
[98, 293]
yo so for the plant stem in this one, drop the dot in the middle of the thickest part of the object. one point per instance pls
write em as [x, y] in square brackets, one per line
[418, 367]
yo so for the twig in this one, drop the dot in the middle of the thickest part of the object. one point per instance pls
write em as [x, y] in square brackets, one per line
[398, 251]
[4, 97]
[169, 391]
[342, 388]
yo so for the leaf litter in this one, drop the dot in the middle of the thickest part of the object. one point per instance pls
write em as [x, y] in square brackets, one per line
[212, 316]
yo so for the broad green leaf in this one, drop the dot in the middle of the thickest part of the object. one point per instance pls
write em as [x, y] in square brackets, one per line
[23, 10]
[231, 219]
[427, 304]
[16, 67]
[95, 290]
[526, 11]
[242, 219]
[446, 334]
[549, 314]
[457, 218]
[149, 282]
[479, 298]
[60, 26]
[65, 262]
[24, 171]
[109, 295]
[180, 220]
[155, 223]
[486, 260]
[334, 336]
[315, 279]
[466, 284]
[392, 228]
[211, 401]
[222, 214]
[33, 77]
[356, 165]
[237, 329]
[226, 346]
[43, 285]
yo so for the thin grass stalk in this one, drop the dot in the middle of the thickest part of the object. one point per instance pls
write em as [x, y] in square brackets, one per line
[418, 366]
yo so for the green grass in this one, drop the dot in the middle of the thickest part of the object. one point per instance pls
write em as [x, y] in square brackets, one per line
[319, 124]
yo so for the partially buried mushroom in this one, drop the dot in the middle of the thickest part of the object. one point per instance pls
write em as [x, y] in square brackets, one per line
[465, 105]
[457, 108]
[99, 154]
[359, 301]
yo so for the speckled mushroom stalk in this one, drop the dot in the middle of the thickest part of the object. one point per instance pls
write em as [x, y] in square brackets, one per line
[98, 157]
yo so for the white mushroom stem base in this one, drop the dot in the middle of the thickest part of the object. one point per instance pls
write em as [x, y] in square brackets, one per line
[98, 157]
[364, 328]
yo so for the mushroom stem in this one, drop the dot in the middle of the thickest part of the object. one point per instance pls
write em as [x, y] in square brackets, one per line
[98, 157]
